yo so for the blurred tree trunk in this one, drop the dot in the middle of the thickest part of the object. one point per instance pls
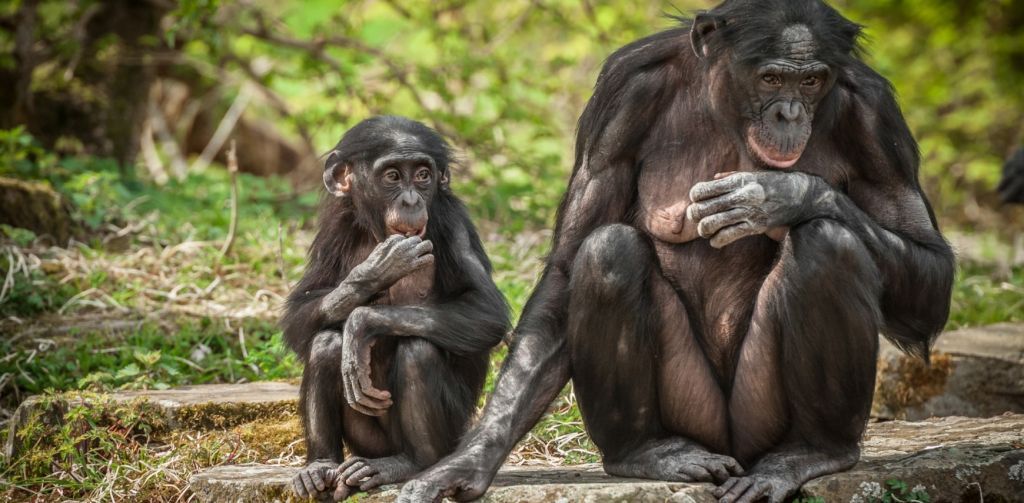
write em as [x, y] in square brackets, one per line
[84, 88]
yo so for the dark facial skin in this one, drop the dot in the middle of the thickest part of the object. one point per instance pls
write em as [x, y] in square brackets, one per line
[717, 349]
[785, 92]
[394, 317]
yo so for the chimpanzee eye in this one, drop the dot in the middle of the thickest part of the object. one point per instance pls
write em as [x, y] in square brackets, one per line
[392, 175]
[423, 175]
[811, 81]
[771, 79]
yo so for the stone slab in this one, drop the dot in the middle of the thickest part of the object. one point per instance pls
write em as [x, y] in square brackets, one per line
[975, 372]
[953, 459]
[197, 407]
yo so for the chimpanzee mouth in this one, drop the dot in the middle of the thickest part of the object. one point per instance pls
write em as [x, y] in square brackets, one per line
[772, 157]
[409, 232]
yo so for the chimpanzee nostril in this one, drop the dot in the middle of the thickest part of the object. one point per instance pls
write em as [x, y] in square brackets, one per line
[409, 198]
[791, 111]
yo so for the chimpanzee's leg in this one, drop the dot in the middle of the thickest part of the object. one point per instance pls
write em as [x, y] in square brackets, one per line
[321, 402]
[617, 303]
[434, 397]
[815, 333]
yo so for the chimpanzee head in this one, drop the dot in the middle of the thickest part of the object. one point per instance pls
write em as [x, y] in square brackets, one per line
[391, 168]
[772, 64]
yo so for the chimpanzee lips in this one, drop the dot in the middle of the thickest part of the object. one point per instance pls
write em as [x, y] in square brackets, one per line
[773, 157]
[409, 231]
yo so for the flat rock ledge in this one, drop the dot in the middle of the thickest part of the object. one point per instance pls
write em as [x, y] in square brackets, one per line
[200, 407]
[953, 459]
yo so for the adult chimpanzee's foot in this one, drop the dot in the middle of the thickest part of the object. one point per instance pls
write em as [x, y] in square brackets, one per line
[757, 487]
[677, 460]
[779, 474]
[363, 474]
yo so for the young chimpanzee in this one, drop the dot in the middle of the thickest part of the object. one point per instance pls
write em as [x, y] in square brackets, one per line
[395, 316]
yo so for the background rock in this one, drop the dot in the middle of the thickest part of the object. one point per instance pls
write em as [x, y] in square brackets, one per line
[974, 372]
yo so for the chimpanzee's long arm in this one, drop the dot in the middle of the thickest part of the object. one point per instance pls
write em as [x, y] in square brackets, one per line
[472, 322]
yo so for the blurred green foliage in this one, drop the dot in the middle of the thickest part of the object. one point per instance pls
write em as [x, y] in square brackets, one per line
[507, 80]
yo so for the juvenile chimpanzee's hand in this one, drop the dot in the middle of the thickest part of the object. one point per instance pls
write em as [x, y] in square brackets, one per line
[316, 480]
[393, 259]
[738, 205]
[355, 365]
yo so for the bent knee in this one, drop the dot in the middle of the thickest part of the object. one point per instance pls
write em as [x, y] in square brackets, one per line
[611, 259]
[414, 355]
[829, 240]
[325, 348]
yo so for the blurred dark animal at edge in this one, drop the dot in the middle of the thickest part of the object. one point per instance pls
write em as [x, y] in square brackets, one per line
[1011, 188]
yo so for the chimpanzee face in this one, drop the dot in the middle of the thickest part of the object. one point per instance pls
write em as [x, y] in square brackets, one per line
[391, 187]
[783, 92]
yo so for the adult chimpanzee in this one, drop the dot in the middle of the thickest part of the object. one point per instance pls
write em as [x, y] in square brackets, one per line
[395, 314]
[742, 220]
[1011, 188]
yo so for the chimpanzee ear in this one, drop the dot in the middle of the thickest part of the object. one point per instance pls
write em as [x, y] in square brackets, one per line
[445, 181]
[703, 26]
[337, 176]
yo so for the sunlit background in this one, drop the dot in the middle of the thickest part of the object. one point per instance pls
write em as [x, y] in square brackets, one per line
[118, 262]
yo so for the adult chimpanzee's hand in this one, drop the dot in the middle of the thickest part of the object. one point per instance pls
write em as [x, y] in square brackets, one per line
[737, 205]
[459, 477]
[355, 365]
[393, 259]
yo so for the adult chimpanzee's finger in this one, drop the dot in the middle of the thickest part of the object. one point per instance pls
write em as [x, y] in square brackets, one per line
[719, 176]
[371, 483]
[734, 466]
[748, 195]
[707, 190]
[709, 226]
[696, 473]
[732, 234]
[737, 487]
[718, 472]
[754, 493]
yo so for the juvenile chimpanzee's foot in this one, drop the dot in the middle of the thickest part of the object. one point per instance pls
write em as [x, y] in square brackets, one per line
[363, 474]
[675, 459]
[316, 480]
[757, 487]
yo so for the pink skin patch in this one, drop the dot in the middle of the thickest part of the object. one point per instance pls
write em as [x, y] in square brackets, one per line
[773, 158]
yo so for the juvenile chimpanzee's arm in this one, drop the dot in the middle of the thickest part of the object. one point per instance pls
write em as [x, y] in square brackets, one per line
[884, 208]
[312, 308]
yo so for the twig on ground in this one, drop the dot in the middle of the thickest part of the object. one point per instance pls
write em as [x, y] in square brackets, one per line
[233, 226]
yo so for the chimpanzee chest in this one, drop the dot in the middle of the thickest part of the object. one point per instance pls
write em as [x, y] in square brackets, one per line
[414, 289]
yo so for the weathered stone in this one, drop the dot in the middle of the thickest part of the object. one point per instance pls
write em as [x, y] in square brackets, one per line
[975, 372]
[199, 407]
[952, 459]
[513, 484]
